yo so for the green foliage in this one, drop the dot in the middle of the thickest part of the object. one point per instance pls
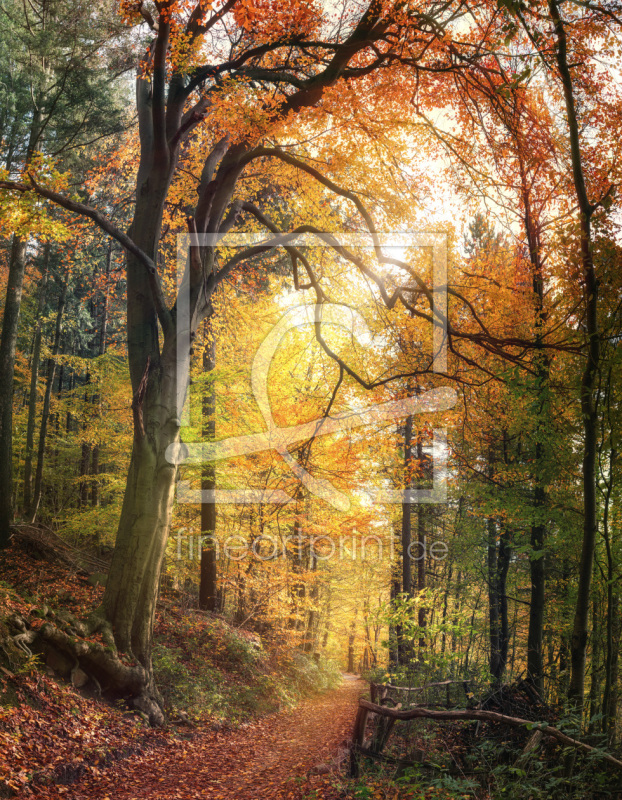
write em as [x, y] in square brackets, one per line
[431, 664]
[310, 676]
[209, 668]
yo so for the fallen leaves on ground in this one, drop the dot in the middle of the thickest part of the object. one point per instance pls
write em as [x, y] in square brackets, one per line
[270, 758]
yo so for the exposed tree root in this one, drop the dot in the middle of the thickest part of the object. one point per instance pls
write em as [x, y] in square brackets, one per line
[67, 638]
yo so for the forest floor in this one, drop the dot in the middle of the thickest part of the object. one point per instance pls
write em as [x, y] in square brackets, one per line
[246, 722]
[285, 756]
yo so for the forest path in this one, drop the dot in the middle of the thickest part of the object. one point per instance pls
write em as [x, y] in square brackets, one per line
[268, 759]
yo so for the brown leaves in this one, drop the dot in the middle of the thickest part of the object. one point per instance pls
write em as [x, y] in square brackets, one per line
[266, 759]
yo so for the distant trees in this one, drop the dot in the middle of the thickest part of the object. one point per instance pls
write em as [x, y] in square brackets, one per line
[57, 96]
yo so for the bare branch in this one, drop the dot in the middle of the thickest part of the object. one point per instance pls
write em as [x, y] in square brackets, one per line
[106, 225]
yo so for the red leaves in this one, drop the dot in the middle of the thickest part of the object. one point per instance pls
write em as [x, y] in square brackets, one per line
[72, 738]
[57, 744]
[55, 736]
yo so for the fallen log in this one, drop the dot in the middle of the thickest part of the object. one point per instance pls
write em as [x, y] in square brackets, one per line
[458, 715]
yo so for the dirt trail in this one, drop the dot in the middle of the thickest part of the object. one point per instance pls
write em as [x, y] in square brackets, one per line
[268, 759]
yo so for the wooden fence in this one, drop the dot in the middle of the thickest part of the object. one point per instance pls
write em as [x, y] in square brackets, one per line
[375, 720]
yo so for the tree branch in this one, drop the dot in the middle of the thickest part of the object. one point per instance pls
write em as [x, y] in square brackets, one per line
[107, 226]
[487, 716]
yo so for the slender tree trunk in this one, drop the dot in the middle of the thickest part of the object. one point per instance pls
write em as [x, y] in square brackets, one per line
[95, 489]
[208, 588]
[595, 682]
[537, 561]
[394, 591]
[351, 640]
[503, 565]
[421, 552]
[456, 619]
[45, 413]
[85, 463]
[69, 419]
[493, 602]
[613, 607]
[8, 340]
[589, 381]
[610, 697]
[406, 509]
[404, 647]
[535, 668]
[445, 605]
[308, 644]
[34, 385]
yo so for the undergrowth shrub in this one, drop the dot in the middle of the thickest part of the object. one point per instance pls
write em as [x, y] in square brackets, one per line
[203, 666]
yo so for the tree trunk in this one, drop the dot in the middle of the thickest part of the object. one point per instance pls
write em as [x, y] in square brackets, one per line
[132, 585]
[610, 696]
[308, 644]
[351, 640]
[610, 693]
[394, 591]
[535, 668]
[493, 603]
[8, 340]
[421, 551]
[503, 565]
[445, 605]
[85, 463]
[208, 588]
[133, 579]
[406, 509]
[95, 490]
[34, 381]
[456, 620]
[589, 380]
[595, 668]
[45, 413]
